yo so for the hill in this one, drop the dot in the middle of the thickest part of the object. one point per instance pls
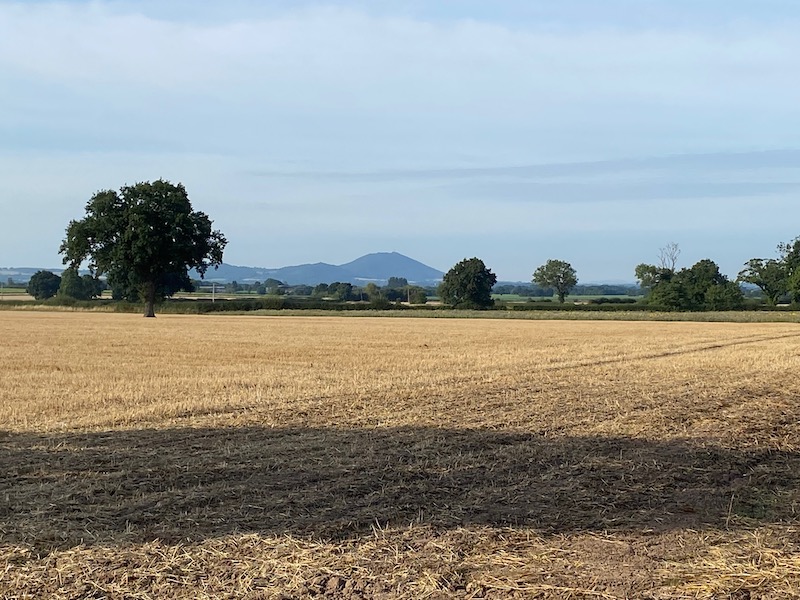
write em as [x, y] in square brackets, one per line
[22, 274]
[382, 265]
[377, 267]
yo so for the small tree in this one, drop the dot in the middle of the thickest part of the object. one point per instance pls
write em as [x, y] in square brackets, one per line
[790, 254]
[417, 295]
[92, 286]
[558, 275]
[770, 276]
[650, 276]
[273, 285]
[708, 289]
[701, 287]
[340, 290]
[397, 282]
[301, 290]
[43, 285]
[77, 287]
[668, 256]
[726, 295]
[468, 285]
[145, 237]
[776, 277]
[697, 280]
[372, 291]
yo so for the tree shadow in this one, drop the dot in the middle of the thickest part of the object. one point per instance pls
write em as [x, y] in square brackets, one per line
[59, 491]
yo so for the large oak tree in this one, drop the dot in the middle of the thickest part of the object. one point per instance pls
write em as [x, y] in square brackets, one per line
[144, 238]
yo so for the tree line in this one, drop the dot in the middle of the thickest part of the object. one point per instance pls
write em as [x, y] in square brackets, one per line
[778, 278]
[144, 240]
[44, 285]
[701, 287]
[469, 283]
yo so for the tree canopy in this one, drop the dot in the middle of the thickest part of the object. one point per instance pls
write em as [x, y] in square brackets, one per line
[468, 285]
[43, 285]
[397, 282]
[701, 287]
[557, 275]
[78, 287]
[776, 277]
[145, 239]
[768, 275]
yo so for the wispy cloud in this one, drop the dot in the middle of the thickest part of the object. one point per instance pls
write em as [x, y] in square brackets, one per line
[343, 73]
[730, 163]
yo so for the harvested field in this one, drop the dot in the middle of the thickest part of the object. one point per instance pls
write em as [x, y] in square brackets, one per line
[292, 457]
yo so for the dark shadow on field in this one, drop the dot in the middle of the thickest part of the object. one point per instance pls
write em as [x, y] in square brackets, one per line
[58, 491]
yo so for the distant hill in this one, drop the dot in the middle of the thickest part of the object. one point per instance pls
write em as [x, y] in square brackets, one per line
[311, 274]
[382, 265]
[377, 267]
[23, 274]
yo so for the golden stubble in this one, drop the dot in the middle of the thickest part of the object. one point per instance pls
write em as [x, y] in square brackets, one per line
[250, 456]
[652, 379]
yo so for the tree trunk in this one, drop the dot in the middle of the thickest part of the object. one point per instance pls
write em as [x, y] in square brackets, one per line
[149, 290]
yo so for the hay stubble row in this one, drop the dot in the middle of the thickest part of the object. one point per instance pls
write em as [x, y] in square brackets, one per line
[358, 457]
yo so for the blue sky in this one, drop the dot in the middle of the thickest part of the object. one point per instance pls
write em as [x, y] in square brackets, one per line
[516, 131]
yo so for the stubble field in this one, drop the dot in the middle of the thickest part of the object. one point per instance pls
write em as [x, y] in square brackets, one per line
[292, 457]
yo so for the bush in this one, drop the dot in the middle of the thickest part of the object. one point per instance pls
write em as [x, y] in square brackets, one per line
[380, 304]
[613, 301]
[584, 307]
[418, 296]
[43, 285]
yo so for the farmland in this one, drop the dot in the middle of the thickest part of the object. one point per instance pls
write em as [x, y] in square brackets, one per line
[300, 456]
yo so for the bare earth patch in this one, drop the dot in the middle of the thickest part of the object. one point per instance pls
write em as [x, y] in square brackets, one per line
[293, 457]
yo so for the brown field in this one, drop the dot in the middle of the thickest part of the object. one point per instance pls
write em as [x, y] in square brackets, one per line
[293, 457]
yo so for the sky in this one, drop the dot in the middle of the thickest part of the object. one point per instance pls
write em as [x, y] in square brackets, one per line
[516, 131]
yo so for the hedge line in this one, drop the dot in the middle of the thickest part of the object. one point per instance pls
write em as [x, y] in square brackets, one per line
[189, 306]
